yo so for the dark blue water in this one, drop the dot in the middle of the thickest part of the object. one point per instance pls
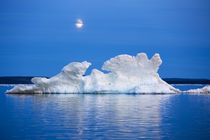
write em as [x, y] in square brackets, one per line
[109, 116]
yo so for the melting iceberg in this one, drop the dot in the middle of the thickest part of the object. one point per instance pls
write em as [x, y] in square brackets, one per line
[126, 74]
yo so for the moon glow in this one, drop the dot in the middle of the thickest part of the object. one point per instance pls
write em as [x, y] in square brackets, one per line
[79, 23]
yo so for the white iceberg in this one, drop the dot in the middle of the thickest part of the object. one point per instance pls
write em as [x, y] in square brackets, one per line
[205, 89]
[126, 74]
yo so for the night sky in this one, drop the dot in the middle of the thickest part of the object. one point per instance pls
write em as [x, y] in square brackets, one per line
[39, 37]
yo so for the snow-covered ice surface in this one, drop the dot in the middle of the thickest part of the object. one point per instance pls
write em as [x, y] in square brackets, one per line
[205, 89]
[126, 74]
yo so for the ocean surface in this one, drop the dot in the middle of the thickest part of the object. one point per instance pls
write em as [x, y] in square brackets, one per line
[105, 116]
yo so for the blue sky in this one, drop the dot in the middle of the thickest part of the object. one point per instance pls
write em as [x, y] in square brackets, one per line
[39, 37]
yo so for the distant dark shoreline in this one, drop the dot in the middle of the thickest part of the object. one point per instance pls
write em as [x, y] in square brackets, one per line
[16, 79]
[27, 80]
[186, 81]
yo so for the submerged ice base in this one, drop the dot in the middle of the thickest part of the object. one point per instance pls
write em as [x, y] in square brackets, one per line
[127, 74]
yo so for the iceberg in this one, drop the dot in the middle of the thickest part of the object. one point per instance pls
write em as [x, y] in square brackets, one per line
[125, 74]
[205, 90]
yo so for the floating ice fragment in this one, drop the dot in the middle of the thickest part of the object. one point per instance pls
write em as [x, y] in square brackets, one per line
[205, 89]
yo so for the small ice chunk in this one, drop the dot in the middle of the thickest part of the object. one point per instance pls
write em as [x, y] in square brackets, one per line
[205, 90]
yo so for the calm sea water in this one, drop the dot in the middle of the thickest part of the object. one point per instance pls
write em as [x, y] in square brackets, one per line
[108, 116]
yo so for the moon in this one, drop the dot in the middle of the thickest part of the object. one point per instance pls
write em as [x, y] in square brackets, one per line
[79, 23]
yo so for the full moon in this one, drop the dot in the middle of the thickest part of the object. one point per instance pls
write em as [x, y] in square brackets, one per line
[79, 23]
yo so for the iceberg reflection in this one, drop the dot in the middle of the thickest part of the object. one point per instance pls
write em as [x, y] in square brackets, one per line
[106, 116]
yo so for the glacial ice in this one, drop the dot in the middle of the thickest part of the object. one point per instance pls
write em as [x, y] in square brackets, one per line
[126, 74]
[205, 89]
